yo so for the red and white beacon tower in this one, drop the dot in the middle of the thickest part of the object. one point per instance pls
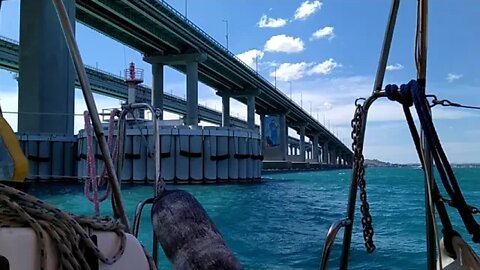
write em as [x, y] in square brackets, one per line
[133, 77]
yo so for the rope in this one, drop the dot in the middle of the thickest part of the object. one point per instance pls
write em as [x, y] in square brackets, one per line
[69, 233]
[70, 239]
[444, 169]
[91, 181]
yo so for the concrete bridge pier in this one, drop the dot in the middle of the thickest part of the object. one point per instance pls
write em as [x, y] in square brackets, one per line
[251, 111]
[334, 157]
[326, 154]
[302, 143]
[283, 136]
[315, 148]
[278, 152]
[226, 110]
[192, 94]
[191, 61]
[262, 132]
[47, 76]
[157, 87]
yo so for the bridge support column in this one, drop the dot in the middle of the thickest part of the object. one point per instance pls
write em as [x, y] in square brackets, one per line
[262, 132]
[226, 112]
[157, 88]
[191, 62]
[192, 94]
[315, 148]
[251, 111]
[302, 143]
[334, 156]
[325, 153]
[47, 76]
[283, 136]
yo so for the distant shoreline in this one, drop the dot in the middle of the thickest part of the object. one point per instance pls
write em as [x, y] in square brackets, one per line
[381, 164]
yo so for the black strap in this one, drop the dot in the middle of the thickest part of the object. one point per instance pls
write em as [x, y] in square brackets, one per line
[241, 156]
[165, 155]
[132, 156]
[219, 157]
[257, 157]
[190, 154]
[38, 158]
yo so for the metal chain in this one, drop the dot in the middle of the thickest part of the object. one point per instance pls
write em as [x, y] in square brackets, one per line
[357, 147]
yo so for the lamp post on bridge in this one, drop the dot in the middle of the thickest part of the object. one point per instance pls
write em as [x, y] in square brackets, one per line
[290, 82]
[186, 8]
[226, 30]
[256, 61]
[275, 74]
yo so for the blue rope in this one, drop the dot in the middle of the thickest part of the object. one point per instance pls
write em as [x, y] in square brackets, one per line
[412, 94]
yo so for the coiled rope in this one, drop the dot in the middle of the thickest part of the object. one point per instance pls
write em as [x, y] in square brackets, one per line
[67, 231]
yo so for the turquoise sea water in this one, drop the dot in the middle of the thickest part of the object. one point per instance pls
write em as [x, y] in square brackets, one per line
[281, 223]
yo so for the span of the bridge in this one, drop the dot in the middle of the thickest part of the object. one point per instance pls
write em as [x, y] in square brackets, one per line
[165, 38]
[108, 84]
[156, 29]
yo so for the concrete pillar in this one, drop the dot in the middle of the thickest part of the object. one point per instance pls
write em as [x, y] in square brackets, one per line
[157, 87]
[192, 94]
[251, 112]
[131, 94]
[325, 151]
[47, 76]
[283, 136]
[302, 143]
[315, 148]
[226, 113]
[334, 156]
[262, 131]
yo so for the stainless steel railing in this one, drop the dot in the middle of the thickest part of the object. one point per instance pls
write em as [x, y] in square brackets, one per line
[330, 239]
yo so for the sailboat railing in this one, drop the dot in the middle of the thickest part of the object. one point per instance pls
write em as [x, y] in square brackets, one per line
[330, 239]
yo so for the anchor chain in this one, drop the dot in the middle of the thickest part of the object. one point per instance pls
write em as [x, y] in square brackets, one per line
[357, 147]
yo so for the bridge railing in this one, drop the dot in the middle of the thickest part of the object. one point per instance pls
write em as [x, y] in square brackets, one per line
[145, 87]
[9, 40]
[228, 52]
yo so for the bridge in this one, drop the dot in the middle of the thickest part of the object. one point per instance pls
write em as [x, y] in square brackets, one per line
[114, 86]
[167, 38]
[111, 85]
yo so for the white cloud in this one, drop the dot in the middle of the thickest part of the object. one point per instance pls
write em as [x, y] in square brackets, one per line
[266, 22]
[453, 77]
[394, 67]
[249, 57]
[291, 71]
[296, 71]
[325, 32]
[326, 106]
[306, 9]
[284, 43]
[324, 68]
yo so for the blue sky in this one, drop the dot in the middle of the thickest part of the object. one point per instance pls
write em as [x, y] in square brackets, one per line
[328, 69]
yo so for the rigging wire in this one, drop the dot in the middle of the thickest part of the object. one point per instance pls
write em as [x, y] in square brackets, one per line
[448, 103]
